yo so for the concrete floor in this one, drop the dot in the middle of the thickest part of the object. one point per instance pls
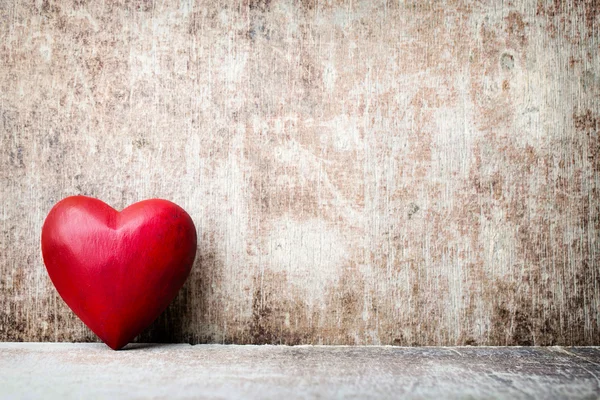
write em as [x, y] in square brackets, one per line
[92, 370]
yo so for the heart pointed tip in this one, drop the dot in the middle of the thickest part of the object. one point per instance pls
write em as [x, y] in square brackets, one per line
[116, 345]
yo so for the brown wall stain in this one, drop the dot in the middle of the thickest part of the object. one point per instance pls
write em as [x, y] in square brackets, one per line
[365, 172]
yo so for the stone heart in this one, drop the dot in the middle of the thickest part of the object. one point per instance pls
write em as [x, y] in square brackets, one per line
[118, 270]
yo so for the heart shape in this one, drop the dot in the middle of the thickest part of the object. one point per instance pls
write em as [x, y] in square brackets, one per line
[118, 270]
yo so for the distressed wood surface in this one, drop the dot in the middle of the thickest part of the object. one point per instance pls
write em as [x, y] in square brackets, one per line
[360, 172]
[75, 371]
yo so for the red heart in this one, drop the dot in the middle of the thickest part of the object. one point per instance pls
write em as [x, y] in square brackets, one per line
[118, 270]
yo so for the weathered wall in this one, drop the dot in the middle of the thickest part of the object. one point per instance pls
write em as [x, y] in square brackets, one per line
[361, 172]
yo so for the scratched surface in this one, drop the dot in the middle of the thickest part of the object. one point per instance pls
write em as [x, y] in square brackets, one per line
[360, 172]
[180, 371]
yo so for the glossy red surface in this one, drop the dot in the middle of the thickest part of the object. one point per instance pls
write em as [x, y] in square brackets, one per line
[118, 270]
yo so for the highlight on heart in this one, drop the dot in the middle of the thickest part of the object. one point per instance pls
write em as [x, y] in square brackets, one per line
[118, 271]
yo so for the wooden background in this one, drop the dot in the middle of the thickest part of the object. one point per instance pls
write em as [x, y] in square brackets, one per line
[360, 172]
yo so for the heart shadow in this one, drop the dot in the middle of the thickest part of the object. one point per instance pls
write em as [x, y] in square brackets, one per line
[182, 321]
[142, 346]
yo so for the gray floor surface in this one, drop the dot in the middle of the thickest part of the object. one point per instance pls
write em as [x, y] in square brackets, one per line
[93, 371]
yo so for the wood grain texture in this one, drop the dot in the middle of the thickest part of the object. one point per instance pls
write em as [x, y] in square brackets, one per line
[360, 172]
[180, 371]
